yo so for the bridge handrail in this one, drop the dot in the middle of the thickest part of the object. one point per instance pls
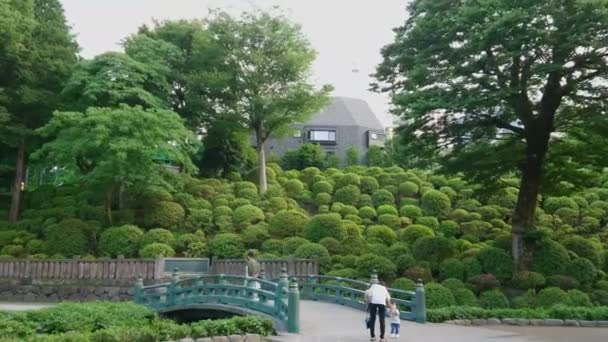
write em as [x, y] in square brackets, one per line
[224, 277]
[353, 281]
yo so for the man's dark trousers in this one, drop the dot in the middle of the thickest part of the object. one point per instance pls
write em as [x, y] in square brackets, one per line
[381, 311]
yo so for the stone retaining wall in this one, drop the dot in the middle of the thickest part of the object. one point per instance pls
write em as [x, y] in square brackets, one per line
[232, 338]
[56, 293]
[549, 322]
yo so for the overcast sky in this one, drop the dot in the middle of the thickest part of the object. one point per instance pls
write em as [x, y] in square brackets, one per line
[347, 34]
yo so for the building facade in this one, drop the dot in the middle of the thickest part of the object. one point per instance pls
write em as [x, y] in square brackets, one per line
[345, 122]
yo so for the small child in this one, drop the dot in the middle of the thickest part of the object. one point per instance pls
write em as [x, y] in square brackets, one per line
[395, 320]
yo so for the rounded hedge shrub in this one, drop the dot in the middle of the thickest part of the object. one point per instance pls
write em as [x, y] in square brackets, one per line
[435, 203]
[484, 282]
[563, 282]
[460, 215]
[369, 185]
[314, 251]
[158, 235]
[325, 225]
[497, 262]
[418, 272]
[526, 280]
[227, 246]
[382, 197]
[368, 262]
[428, 221]
[411, 211]
[453, 284]
[288, 223]
[472, 267]
[448, 228]
[293, 187]
[273, 246]
[404, 284]
[198, 219]
[567, 215]
[322, 198]
[165, 214]
[451, 268]
[408, 189]
[322, 186]
[414, 232]
[69, 237]
[367, 214]
[550, 296]
[476, 228]
[493, 299]
[334, 247]
[433, 249]
[290, 244]
[184, 241]
[465, 297]
[348, 195]
[349, 273]
[381, 233]
[577, 298]
[438, 296]
[254, 236]
[349, 210]
[582, 269]
[552, 204]
[247, 215]
[583, 248]
[123, 240]
[551, 258]
[389, 220]
[156, 249]
[387, 209]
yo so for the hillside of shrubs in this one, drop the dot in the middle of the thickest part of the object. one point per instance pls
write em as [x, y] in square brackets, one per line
[116, 322]
[406, 224]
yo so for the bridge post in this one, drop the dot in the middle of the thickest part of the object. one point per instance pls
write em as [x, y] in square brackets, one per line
[420, 307]
[138, 291]
[281, 293]
[293, 308]
[374, 277]
[171, 291]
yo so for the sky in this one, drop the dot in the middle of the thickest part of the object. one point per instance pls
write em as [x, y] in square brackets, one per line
[347, 34]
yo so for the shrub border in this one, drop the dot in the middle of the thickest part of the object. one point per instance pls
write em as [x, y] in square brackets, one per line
[547, 322]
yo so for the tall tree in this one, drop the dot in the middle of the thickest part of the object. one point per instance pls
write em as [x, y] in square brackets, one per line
[262, 74]
[37, 53]
[476, 76]
[109, 147]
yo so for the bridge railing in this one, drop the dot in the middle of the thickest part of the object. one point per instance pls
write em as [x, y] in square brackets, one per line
[276, 299]
[350, 292]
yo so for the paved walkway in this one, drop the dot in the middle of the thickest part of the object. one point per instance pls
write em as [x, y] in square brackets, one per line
[22, 306]
[323, 322]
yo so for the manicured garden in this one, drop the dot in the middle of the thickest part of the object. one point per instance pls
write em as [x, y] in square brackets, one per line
[406, 224]
[116, 322]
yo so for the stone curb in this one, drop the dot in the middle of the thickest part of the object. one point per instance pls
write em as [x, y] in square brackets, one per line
[231, 338]
[530, 322]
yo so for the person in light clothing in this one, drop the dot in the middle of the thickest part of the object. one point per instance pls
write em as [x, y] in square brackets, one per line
[252, 269]
[395, 320]
[377, 297]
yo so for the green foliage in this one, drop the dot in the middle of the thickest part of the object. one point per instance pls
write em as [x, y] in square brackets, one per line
[156, 249]
[438, 296]
[583, 248]
[582, 269]
[314, 251]
[247, 215]
[369, 185]
[577, 298]
[307, 156]
[368, 262]
[552, 204]
[253, 236]
[69, 238]
[287, 223]
[381, 197]
[387, 209]
[526, 280]
[484, 282]
[551, 258]
[428, 221]
[408, 189]
[433, 249]
[348, 194]
[497, 262]
[158, 235]
[557, 312]
[165, 215]
[389, 220]
[122, 240]
[325, 225]
[291, 244]
[413, 232]
[493, 299]
[381, 233]
[411, 211]
[435, 203]
[227, 246]
[403, 284]
[563, 282]
[451, 269]
[322, 187]
[367, 214]
[550, 296]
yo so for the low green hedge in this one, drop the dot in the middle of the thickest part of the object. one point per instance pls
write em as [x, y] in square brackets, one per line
[599, 313]
[116, 322]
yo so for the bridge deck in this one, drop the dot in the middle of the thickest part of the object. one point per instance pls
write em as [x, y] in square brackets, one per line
[321, 322]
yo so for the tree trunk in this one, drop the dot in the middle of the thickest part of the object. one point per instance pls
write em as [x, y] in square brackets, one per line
[13, 215]
[261, 164]
[108, 204]
[121, 196]
[523, 216]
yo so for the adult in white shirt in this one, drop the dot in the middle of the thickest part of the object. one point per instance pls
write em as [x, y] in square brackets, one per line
[377, 296]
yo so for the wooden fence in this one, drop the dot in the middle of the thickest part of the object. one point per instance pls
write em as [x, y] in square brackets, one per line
[271, 267]
[80, 269]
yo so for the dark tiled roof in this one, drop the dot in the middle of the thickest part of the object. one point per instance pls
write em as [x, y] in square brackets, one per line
[346, 111]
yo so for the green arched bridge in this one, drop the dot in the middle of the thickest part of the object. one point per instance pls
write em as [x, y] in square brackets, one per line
[278, 299]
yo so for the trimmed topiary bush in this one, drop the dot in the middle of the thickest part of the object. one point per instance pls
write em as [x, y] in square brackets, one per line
[387, 209]
[165, 214]
[563, 282]
[334, 247]
[526, 280]
[292, 243]
[551, 258]
[448, 228]
[577, 298]
[322, 199]
[451, 268]
[325, 225]
[227, 246]
[381, 233]
[156, 249]
[497, 262]
[382, 197]
[472, 267]
[389, 220]
[414, 232]
[417, 272]
[411, 211]
[254, 236]
[348, 195]
[314, 251]
[484, 282]
[433, 249]
[409, 189]
[367, 214]
[199, 219]
[322, 186]
[123, 240]
[287, 223]
[493, 299]
[465, 297]
[247, 215]
[438, 296]
[159, 235]
[550, 296]
[369, 185]
[582, 269]
[428, 221]
[273, 246]
[552, 204]
[404, 284]
[435, 203]
[368, 262]
[583, 248]
[69, 237]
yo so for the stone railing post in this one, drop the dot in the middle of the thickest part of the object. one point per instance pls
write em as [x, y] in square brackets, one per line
[171, 291]
[293, 308]
[373, 277]
[280, 294]
[420, 307]
[138, 290]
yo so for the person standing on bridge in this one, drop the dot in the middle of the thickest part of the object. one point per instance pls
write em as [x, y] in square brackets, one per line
[377, 298]
[253, 271]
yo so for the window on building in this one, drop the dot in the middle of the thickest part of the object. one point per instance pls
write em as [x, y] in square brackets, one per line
[318, 135]
[374, 136]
